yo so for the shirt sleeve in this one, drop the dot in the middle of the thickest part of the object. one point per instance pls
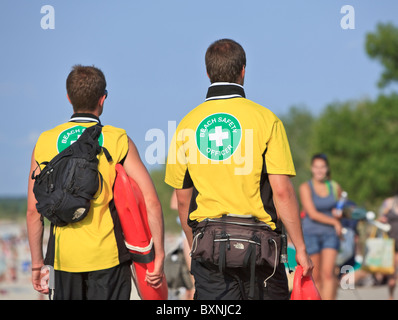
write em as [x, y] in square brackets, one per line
[124, 143]
[177, 174]
[278, 158]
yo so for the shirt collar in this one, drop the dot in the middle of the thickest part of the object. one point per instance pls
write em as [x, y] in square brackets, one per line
[225, 90]
[84, 117]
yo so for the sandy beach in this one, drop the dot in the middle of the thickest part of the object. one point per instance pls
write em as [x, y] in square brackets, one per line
[15, 275]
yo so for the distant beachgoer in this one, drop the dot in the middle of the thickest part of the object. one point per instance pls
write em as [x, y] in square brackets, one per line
[389, 214]
[188, 279]
[321, 227]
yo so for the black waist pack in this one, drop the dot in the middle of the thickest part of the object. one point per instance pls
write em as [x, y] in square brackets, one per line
[234, 242]
[67, 184]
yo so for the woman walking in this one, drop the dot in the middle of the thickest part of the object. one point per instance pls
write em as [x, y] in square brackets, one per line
[321, 224]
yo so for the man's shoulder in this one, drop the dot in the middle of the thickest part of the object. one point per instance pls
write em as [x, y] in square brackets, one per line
[190, 117]
[112, 129]
[261, 109]
[54, 130]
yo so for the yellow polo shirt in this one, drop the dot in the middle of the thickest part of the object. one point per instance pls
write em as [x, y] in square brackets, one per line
[96, 242]
[225, 148]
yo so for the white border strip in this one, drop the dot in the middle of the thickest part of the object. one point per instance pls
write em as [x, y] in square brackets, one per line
[140, 249]
[224, 97]
[225, 83]
[83, 119]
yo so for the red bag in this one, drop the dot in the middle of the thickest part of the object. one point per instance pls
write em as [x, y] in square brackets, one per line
[304, 287]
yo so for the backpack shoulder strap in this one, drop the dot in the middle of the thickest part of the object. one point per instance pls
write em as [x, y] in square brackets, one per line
[107, 154]
[95, 133]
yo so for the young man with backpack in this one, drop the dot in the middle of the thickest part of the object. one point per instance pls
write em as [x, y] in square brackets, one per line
[87, 252]
[230, 164]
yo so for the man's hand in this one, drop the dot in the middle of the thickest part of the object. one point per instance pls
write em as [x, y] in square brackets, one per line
[304, 260]
[155, 278]
[40, 280]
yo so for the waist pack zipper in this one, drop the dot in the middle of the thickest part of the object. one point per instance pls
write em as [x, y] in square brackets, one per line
[238, 239]
[238, 223]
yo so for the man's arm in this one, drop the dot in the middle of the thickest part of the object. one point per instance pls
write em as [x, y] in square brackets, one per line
[137, 171]
[184, 199]
[288, 210]
[35, 232]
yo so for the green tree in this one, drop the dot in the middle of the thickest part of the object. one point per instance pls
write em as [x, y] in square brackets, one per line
[299, 123]
[383, 46]
[13, 208]
[164, 193]
[358, 138]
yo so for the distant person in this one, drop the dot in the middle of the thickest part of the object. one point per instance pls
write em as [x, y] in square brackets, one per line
[187, 278]
[321, 227]
[90, 258]
[389, 214]
[230, 162]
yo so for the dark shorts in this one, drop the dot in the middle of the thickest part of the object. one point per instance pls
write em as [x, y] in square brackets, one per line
[108, 284]
[316, 243]
[234, 283]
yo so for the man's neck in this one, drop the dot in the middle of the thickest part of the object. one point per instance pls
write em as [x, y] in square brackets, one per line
[225, 90]
[221, 83]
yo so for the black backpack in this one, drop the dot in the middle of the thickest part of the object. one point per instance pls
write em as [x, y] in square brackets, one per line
[68, 183]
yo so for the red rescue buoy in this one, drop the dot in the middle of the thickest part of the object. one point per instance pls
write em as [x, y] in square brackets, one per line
[304, 287]
[130, 205]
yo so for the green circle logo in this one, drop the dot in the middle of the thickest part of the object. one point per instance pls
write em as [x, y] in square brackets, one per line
[69, 136]
[218, 136]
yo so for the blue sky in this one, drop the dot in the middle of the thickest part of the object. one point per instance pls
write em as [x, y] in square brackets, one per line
[152, 54]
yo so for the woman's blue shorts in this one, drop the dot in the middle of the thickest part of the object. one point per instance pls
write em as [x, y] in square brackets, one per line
[315, 243]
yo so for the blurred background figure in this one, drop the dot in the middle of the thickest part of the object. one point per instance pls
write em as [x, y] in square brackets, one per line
[178, 265]
[389, 214]
[321, 226]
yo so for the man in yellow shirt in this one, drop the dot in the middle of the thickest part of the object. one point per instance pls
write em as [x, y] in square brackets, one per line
[231, 157]
[89, 257]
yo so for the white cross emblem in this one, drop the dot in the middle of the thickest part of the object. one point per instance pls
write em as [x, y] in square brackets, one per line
[218, 136]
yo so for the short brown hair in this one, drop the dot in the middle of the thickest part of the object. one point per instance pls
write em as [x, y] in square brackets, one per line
[85, 86]
[225, 60]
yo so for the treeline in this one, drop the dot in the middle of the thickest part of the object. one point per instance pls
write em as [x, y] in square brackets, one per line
[359, 139]
[12, 207]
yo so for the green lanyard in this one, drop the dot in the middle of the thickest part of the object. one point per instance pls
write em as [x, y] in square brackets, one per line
[329, 185]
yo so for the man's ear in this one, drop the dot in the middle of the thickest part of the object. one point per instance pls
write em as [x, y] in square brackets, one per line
[243, 72]
[101, 100]
[68, 98]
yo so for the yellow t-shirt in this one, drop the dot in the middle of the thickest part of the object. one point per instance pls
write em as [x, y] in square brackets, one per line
[225, 148]
[96, 242]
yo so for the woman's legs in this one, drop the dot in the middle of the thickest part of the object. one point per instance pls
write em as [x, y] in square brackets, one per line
[316, 272]
[323, 251]
[328, 279]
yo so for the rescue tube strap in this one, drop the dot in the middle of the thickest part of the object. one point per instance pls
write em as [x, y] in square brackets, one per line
[143, 258]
